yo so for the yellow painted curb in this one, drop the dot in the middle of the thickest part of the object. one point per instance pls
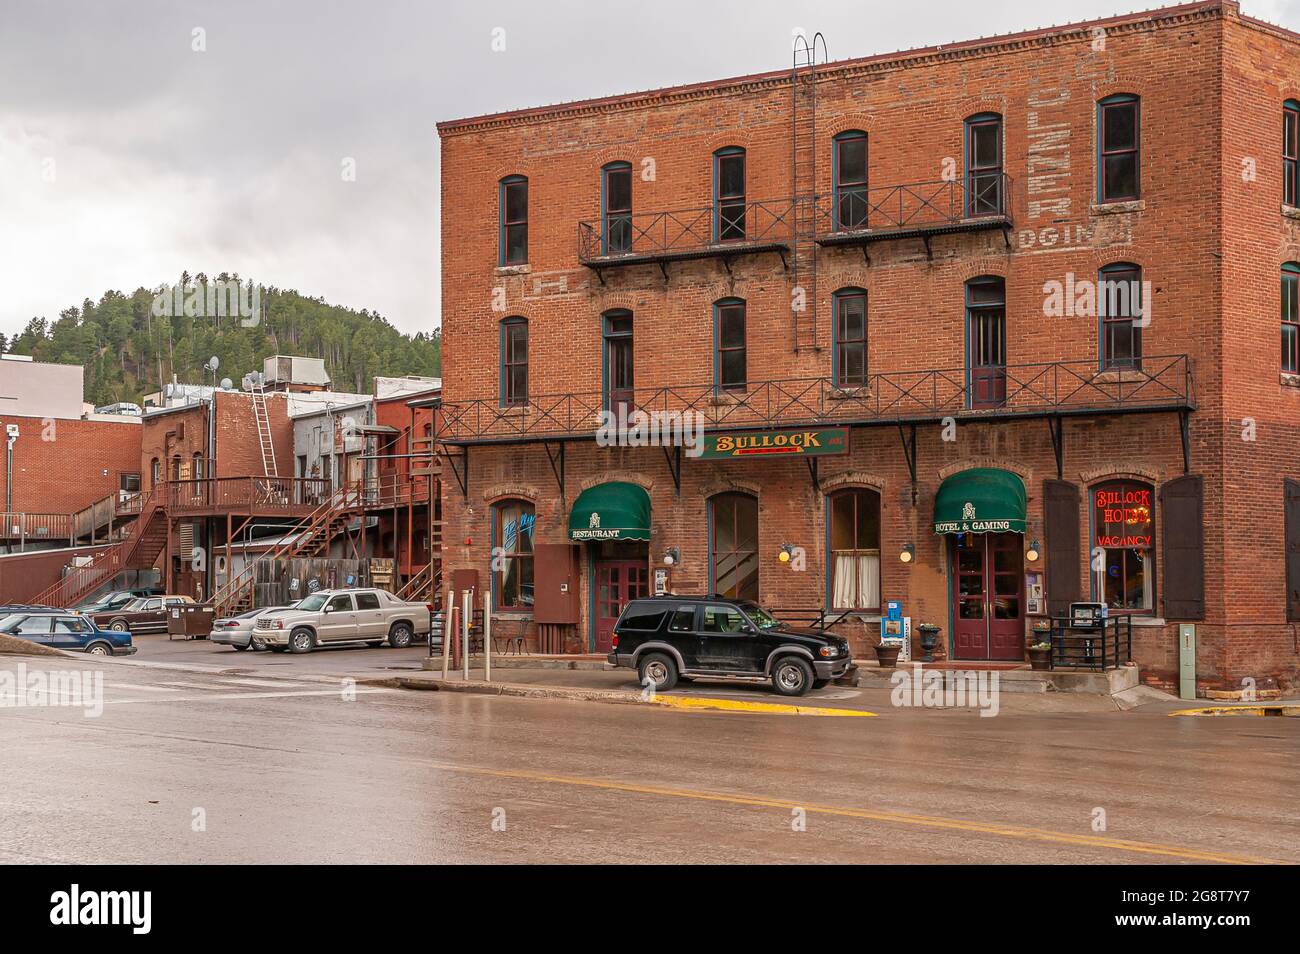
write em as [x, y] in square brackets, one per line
[737, 705]
[1239, 710]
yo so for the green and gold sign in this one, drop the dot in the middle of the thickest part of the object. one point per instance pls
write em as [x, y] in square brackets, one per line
[804, 442]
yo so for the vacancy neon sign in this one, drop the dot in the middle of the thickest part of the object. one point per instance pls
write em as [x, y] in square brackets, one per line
[1123, 517]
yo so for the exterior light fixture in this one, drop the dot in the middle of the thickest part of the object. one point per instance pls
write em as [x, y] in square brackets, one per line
[672, 556]
[787, 551]
[1033, 552]
[908, 554]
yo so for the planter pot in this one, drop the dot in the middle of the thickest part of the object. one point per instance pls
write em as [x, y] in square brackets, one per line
[929, 639]
[1040, 659]
[888, 656]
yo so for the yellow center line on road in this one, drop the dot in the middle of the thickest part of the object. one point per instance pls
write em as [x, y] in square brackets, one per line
[896, 818]
[743, 705]
[1264, 710]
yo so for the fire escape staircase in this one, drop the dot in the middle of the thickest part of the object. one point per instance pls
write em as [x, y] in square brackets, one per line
[803, 180]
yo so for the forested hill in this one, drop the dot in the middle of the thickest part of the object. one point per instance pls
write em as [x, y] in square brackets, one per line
[129, 349]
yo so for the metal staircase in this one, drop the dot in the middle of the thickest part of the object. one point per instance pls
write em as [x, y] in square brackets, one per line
[263, 419]
[803, 182]
[424, 585]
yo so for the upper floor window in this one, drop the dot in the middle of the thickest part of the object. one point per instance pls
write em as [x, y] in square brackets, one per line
[1119, 307]
[850, 330]
[514, 220]
[1119, 151]
[729, 370]
[729, 194]
[851, 180]
[1291, 152]
[514, 361]
[986, 340]
[619, 379]
[733, 546]
[513, 522]
[1291, 318]
[984, 165]
[616, 207]
[155, 472]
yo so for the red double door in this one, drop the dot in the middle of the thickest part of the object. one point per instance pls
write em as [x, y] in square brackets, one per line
[988, 598]
[618, 582]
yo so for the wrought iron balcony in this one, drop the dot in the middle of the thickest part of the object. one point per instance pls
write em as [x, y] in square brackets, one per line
[1048, 389]
[858, 216]
[723, 230]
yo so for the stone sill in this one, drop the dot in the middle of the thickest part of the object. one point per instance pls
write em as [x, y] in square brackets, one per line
[1118, 208]
[513, 269]
[1289, 380]
[1290, 212]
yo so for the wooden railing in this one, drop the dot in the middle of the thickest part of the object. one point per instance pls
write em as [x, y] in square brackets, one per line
[35, 527]
[261, 494]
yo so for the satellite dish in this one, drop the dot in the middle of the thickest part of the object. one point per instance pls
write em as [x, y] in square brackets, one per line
[214, 362]
[227, 384]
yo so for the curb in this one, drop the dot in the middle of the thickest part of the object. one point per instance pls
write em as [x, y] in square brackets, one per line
[1267, 710]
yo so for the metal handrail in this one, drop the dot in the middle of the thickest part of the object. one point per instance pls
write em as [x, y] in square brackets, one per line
[1161, 382]
[936, 203]
[650, 234]
[1109, 647]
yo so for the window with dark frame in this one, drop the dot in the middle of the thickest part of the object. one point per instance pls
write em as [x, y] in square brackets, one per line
[619, 370]
[984, 165]
[729, 334]
[1119, 310]
[733, 545]
[1119, 149]
[986, 341]
[514, 361]
[854, 542]
[1123, 526]
[1291, 152]
[514, 220]
[616, 211]
[729, 194]
[851, 203]
[1291, 318]
[155, 472]
[513, 522]
[850, 338]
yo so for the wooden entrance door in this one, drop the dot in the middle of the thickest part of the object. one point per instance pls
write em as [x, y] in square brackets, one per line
[618, 582]
[988, 602]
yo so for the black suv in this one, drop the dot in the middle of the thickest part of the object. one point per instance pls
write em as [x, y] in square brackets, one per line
[667, 637]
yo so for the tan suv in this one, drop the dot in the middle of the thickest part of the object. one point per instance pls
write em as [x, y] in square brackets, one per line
[343, 616]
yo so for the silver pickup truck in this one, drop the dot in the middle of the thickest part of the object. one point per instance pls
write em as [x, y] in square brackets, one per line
[343, 616]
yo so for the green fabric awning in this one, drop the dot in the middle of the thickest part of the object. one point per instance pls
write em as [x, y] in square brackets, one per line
[612, 511]
[980, 500]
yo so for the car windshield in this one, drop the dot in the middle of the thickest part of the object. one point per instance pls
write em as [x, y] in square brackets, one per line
[312, 603]
[135, 604]
[761, 617]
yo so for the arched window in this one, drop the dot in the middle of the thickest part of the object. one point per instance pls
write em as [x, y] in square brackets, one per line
[1119, 149]
[850, 173]
[733, 546]
[1124, 545]
[1291, 152]
[513, 204]
[984, 165]
[729, 364]
[616, 207]
[618, 375]
[155, 472]
[1291, 318]
[849, 358]
[1120, 315]
[514, 361]
[986, 341]
[513, 523]
[853, 549]
[729, 194]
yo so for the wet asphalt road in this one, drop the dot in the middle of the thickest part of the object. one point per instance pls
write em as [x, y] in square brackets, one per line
[278, 766]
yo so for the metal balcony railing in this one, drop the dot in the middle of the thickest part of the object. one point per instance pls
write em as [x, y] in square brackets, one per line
[722, 229]
[1043, 389]
[915, 208]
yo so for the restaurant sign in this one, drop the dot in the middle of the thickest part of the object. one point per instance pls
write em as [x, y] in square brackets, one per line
[804, 442]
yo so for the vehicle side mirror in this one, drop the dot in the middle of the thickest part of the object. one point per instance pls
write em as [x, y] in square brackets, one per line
[327, 609]
[750, 630]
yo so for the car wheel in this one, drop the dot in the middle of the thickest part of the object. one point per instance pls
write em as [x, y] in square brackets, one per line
[657, 671]
[791, 676]
[118, 626]
[238, 648]
[99, 649]
[399, 637]
[302, 641]
[259, 645]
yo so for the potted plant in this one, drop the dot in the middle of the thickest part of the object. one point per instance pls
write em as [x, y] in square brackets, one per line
[1040, 646]
[887, 653]
[929, 639]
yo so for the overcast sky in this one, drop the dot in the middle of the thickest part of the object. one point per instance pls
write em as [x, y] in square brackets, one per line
[126, 156]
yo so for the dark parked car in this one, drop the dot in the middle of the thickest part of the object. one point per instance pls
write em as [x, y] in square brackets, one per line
[113, 601]
[69, 631]
[141, 616]
[667, 637]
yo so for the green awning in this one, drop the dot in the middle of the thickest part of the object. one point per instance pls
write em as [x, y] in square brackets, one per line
[612, 511]
[980, 500]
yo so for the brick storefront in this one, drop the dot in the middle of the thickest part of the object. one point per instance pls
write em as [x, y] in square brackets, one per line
[1209, 232]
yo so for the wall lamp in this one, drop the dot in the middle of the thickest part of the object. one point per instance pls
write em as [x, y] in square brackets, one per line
[787, 551]
[672, 556]
[908, 553]
[1033, 553]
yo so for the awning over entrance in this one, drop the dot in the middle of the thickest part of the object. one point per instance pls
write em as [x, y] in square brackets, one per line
[980, 500]
[611, 511]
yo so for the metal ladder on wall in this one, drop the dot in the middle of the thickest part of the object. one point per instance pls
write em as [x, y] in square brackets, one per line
[263, 419]
[803, 181]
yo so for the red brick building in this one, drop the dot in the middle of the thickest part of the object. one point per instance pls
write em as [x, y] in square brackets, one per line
[1027, 289]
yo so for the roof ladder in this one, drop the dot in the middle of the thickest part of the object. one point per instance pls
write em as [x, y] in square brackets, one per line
[803, 181]
[263, 419]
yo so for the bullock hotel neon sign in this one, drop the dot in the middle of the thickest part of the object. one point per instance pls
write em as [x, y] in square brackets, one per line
[1123, 517]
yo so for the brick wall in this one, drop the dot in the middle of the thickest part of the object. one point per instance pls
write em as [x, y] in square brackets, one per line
[48, 452]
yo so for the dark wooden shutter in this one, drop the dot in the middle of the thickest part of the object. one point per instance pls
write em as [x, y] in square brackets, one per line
[1291, 490]
[1061, 523]
[1182, 540]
